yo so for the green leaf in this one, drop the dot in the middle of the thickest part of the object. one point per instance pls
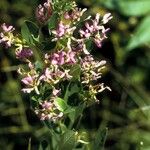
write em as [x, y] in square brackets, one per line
[75, 72]
[128, 7]
[53, 21]
[38, 66]
[43, 145]
[77, 111]
[107, 3]
[30, 32]
[61, 104]
[68, 141]
[99, 140]
[141, 35]
[133, 7]
[71, 89]
[48, 45]
[90, 45]
[29, 144]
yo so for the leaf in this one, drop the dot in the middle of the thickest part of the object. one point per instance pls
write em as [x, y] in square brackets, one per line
[61, 104]
[77, 111]
[75, 72]
[107, 3]
[43, 145]
[53, 21]
[99, 140]
[38, 66]
[68, 140]
[133, 7]
[29, 144]
[90, 45]
[141, 35]
[71, 90]
[48, 45]
[128, 7]
[30, 32]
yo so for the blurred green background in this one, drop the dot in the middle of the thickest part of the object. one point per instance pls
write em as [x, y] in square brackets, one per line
[125, 110]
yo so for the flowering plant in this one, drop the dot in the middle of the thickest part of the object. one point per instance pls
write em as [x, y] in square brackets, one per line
[60, 74]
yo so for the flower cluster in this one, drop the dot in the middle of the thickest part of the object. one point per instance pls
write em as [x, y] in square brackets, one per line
[43, 12]
[56, 65]
[48, 111]
[95, 29]
[6, 36]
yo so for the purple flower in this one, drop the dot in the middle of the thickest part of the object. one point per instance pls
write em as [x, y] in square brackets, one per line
[7, 28]
[85, 34]
[98, 42]
[55, 75]
[58, 58]
[91, 69]
[6, 36]
[56, 92]
[31, 83]
[46, 105]
[48, 111]
[74, 14]
[61, 29]
[43, 12]
[29, 80]
[96, 31]
[24, 53]
[70, 57]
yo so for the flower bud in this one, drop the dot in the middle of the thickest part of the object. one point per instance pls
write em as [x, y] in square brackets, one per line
[43, 12]
[24, 53]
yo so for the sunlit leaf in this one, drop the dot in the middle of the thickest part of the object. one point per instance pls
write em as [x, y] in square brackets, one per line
[61, 104]
[30, 32]
[141, 35]
[128, 7]
[67, 141]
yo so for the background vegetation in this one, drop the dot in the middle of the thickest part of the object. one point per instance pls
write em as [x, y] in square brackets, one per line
[125, 111]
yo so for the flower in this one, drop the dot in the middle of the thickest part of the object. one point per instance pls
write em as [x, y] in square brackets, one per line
[55, 75]
[58, 58]
[6, 36]
[56, 92]
[63, 31]
[106, 18]
[7, 28]
[74, 14]
[24, 53]
[48, 111]
[43, 12]
[95, 30]
[31, 83]
[91, 69]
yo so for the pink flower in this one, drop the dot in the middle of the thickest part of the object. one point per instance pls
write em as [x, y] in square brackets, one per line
[85, 33]
[43, 12]
[61, 30]
[29, 80]
[70, 57]
[31, 83]
[74, 14]
[98, 42]
[48, 111]
[106, 18]
[6, 36]
[7, 28]
[56, 92]
[24, 53]
[58, 58]
[46, 105]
